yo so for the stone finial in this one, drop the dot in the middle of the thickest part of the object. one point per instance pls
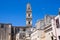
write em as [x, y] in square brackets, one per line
[59, 9]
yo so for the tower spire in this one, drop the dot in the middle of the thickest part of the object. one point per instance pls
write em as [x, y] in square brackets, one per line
[28, 6]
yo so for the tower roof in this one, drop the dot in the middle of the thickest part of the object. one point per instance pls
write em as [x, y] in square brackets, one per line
[28, 6]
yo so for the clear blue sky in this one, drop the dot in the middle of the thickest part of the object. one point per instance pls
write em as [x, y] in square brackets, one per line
[14, 11]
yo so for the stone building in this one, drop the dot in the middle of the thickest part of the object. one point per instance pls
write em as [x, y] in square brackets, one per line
[44, 27]
[56, 27]
[20, 34]
[38, 33]
[51, 27]
[5, 31]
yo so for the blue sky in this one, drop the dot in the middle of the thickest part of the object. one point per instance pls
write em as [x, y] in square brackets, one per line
[14, 11]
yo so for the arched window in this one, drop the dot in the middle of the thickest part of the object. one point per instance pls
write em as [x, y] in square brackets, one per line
[29, 22]
[29, 15]
[28, 7]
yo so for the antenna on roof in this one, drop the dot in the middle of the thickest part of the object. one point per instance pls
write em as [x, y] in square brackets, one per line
[59, 11]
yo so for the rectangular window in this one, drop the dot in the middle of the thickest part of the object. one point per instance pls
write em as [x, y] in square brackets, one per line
[55, 39]
[23, 29]
[29, 15]
[59, 37]
[2, 25]
[57, 23]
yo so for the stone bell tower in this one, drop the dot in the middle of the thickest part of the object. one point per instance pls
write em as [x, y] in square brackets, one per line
[28, 15]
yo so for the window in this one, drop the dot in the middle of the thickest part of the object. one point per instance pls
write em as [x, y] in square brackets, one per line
[23, 35]
[59, 37]
[55, 39]
[57, 23]
[18, 30]
[52, 38]
[2, 25]
[28, 7]
[29, 35]
[23, 29]
[29, 15]
[29, 22]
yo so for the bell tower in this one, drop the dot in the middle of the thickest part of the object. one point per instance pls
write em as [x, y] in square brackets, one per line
[28, 16]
